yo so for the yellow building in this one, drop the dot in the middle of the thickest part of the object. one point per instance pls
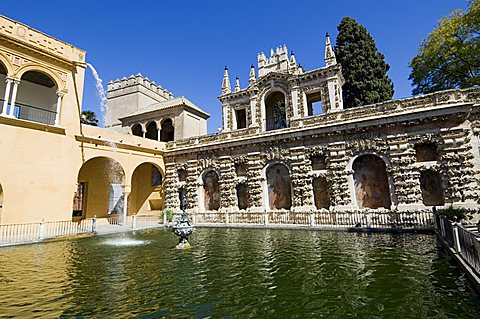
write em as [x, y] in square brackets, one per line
[49, 162]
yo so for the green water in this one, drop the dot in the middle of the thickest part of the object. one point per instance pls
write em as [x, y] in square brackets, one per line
[235, 273]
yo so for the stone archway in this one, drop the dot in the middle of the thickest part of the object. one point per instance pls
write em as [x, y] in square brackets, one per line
[37, 98]
[147, 194]
[371, 182]
[279, 186]
[275, 111]
[101, 180]
[321, 194]
[152, 131]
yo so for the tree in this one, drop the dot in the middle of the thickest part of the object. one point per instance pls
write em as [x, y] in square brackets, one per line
[89, 118]
[363, 67]
[450, 56]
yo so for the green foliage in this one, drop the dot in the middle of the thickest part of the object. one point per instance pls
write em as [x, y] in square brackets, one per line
[89, 118]
[450, 56]
[454, 214]
[363, 67]
[169, 214]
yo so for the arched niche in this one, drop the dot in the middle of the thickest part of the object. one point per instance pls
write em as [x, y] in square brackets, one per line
[147, 193]
[211, 190]
[152, 131]
[167, 132]
[321, 193]
[275, 111]
[242, 195]
[99, 188]
[36, 98]
[279, 186]
[371, 184]
[137, 130]
[432, 189]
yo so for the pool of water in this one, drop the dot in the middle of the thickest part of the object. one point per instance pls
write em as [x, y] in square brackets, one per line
[235, 273]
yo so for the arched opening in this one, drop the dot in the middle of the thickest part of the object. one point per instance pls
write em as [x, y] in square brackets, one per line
[147, 195]
[3, 77]
[321, 193]
[167, 133]
[137, 130]
[275, 113]
[279, 187]
[1, 201]
[371, 182]
[99, 189]
[36, 99]
[431, 187]
[242, 196]
[152, 131]
[211, 188]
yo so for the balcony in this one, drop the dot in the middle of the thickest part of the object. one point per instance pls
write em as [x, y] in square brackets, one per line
[275, 123]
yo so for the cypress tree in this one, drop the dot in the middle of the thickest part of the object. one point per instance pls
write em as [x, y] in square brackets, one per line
[363, 67]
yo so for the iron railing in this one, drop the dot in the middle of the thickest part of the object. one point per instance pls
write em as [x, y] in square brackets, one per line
[275, 123]
[466, 243]
[35, 232]
[34, 114]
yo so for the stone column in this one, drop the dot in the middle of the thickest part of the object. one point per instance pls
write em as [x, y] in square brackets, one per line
[191, 186]
[253, 110]
[295, 94]
[171, 200]
[255, 181]
[59, 107]
[301, 182]
[126, 191]
[225, 109]
[6, 96]
[227, 183]
[14, 97]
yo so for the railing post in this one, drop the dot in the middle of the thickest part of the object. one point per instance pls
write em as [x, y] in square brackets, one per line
[134, 221]
[312, 218]
[369, 219]
[164, 218]
[456, 240]
[94, 224]
[227, 218]
[41, 230]
[265, 217]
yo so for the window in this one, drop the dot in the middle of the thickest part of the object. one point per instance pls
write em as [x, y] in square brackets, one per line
[314, 103]
[78, 200]
[319, 162]
[241, 116]
[182, 175]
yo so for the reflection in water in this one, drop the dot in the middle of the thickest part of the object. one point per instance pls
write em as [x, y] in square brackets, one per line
[235, 273]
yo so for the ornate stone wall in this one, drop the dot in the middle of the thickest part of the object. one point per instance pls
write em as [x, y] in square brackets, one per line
[452, 130]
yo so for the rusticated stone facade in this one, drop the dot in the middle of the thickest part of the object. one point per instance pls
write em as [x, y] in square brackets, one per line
[397, 133]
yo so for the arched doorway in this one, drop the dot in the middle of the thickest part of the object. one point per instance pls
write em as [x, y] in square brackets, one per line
[137, 130]
[371, 182]
[99, 189]
[167, 133]
[321, 194]
[152, 131]
[279, 187]
[37, 98]
[147, 195]
[211, 190]
[275, 112]
[431, 187]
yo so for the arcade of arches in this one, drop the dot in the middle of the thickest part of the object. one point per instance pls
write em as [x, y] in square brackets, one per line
[163, 133]
[101, 189]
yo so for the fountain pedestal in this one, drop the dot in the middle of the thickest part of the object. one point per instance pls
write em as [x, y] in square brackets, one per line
[183, 228]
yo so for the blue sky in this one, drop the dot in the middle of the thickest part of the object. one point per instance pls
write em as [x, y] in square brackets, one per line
[184, 45]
